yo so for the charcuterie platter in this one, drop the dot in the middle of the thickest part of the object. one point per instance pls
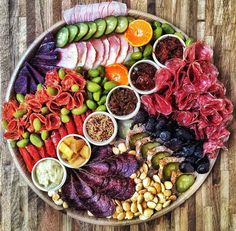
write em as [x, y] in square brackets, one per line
[115, 116]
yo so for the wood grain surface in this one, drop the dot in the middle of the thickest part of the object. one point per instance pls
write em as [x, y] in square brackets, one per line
[213, 207]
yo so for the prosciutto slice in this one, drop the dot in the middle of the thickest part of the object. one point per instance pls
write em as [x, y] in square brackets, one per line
[100, 51]
[106, 51]
[114, 49]
[91, 56]
[124, 47]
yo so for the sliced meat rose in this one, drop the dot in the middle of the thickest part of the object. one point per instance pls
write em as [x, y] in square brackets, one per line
[52, 78]
[100, 50]
[53, 121]
[33, 103]
[79, 99]
[124, 47]
[114, 49]
[106, 51]
[8, 109]
[82, 53]
[42, 119]
[68, 56]
[65, 99]
[91, 56]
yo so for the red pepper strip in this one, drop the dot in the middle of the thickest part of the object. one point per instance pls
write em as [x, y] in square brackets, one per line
[29, 162]
[62, 130]
[42, 152]
[50, 149]
[78, 124]
[70, 127]
[55, 137]
[33, 152]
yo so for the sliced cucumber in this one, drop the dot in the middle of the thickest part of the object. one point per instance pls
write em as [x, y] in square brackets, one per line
[101, 27]
[122, 24]
[148, 146]
[73, 30]
[134, 138]
[62, 37]
[92, 30]
[112, 22]
[83, 30]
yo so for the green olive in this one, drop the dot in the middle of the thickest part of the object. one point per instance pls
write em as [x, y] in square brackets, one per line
[4, 124]
[79, 69]
[65, 118]
[93, 73]
[91, 104]
[22, 143]
[20, 97]
[101, 70]
[19, 113]
[26, 135]
[184, 182]
[157, 157]
[65, 111]
[168, 28]
[158, 32]
[129, 63]
[61, 73]
[168, 169]
[36, 140]
[44, 134]
[109, 85]
[101, 108]
[147, 50]
[51, 91]
[37, 124]
[156, 24]
[93, 87]
[39, 86]
[44, 110]
[74, 87]
[136, 55]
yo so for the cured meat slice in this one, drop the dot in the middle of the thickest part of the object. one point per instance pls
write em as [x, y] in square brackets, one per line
[114, 49]
[67, 15]
[106, 51]
[124, 47]
[129, 52]
[91, 56]
[78, 99]
[53, 121]
[82, 53]
[50, 149]
[68, 56]
[8, 109]
[100, 51]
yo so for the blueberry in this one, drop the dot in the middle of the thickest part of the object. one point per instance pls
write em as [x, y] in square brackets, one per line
[189, 149]
[174, 144]
[186, 167]
[203, 165]
[165, 136]
[150, 125]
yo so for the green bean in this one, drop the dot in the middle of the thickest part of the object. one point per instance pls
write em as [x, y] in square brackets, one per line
[156, 24]
[147, 50]
[79, 69]
[129, 63]
[36, 140]
[44, 134]
[101, 108]
[39, 86]
[97, 95]
[97, 80]
[189, 41]
[22, 143]
[65, 111]
[13, 143]
[4, 124]
[102, 100]
[74, 87]
[37, 124]
[109, 85]
[61, 73]
[20, 97]
[44, 110]
[136, 55]
[26, 135]
[93, 73]
[158, 32]
[93, 87]
[79, 110]
[180, 35]
[101, 70]
[168, 28]
[19, 113]
[65, 118]
[91, 104]
[51, 91]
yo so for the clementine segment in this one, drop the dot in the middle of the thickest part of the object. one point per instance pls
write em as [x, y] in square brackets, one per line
[139, 33]
[118, 73]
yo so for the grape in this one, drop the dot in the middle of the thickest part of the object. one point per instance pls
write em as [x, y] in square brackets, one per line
[165, 136]
[150, 125]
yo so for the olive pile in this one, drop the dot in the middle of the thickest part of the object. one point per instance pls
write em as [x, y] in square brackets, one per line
[179, 139]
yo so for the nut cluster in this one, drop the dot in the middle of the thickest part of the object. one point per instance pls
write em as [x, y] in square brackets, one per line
[57, 198]
[121, 148]
[151, 195]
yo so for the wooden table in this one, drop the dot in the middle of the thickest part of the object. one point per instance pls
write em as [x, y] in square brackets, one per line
[213, 207]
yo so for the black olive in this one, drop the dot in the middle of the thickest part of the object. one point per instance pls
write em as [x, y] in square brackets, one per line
[203, 165]
[186, 167]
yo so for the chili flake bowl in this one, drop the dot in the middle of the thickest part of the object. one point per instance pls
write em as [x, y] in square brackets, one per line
[103, 142]
[162, 38]
[142, 92]
[130, 115]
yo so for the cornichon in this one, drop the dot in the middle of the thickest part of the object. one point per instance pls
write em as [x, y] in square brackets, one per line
[168, 28]
[20, 97]
[65, 111]
[91, 104]
[62, 37]
[36, 140]
[37, 124]
[156, 24]
[19, 113]
[109, 85]
[61, 73]
[65, 118]
[180, 35]
[22, 143]
[44, 134]
[80, 110]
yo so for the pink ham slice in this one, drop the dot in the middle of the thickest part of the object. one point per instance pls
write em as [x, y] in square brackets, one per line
[114, 49]
[106, 51]
[99, 47]
[91, 56]
[82, 53]
[124, 46]
[68, 56]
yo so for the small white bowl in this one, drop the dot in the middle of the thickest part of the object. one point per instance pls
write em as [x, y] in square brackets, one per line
[142, 92]
[161, 38]
[39, 186]
[65, 162]
[132, 114]
[105, 142]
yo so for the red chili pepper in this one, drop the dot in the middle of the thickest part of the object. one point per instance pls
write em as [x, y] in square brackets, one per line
[62, 130]
[55, 136]
[29, 162]
[50, 149]
[33, 152]
[42, 152]
[78, 124]
[70, 127]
